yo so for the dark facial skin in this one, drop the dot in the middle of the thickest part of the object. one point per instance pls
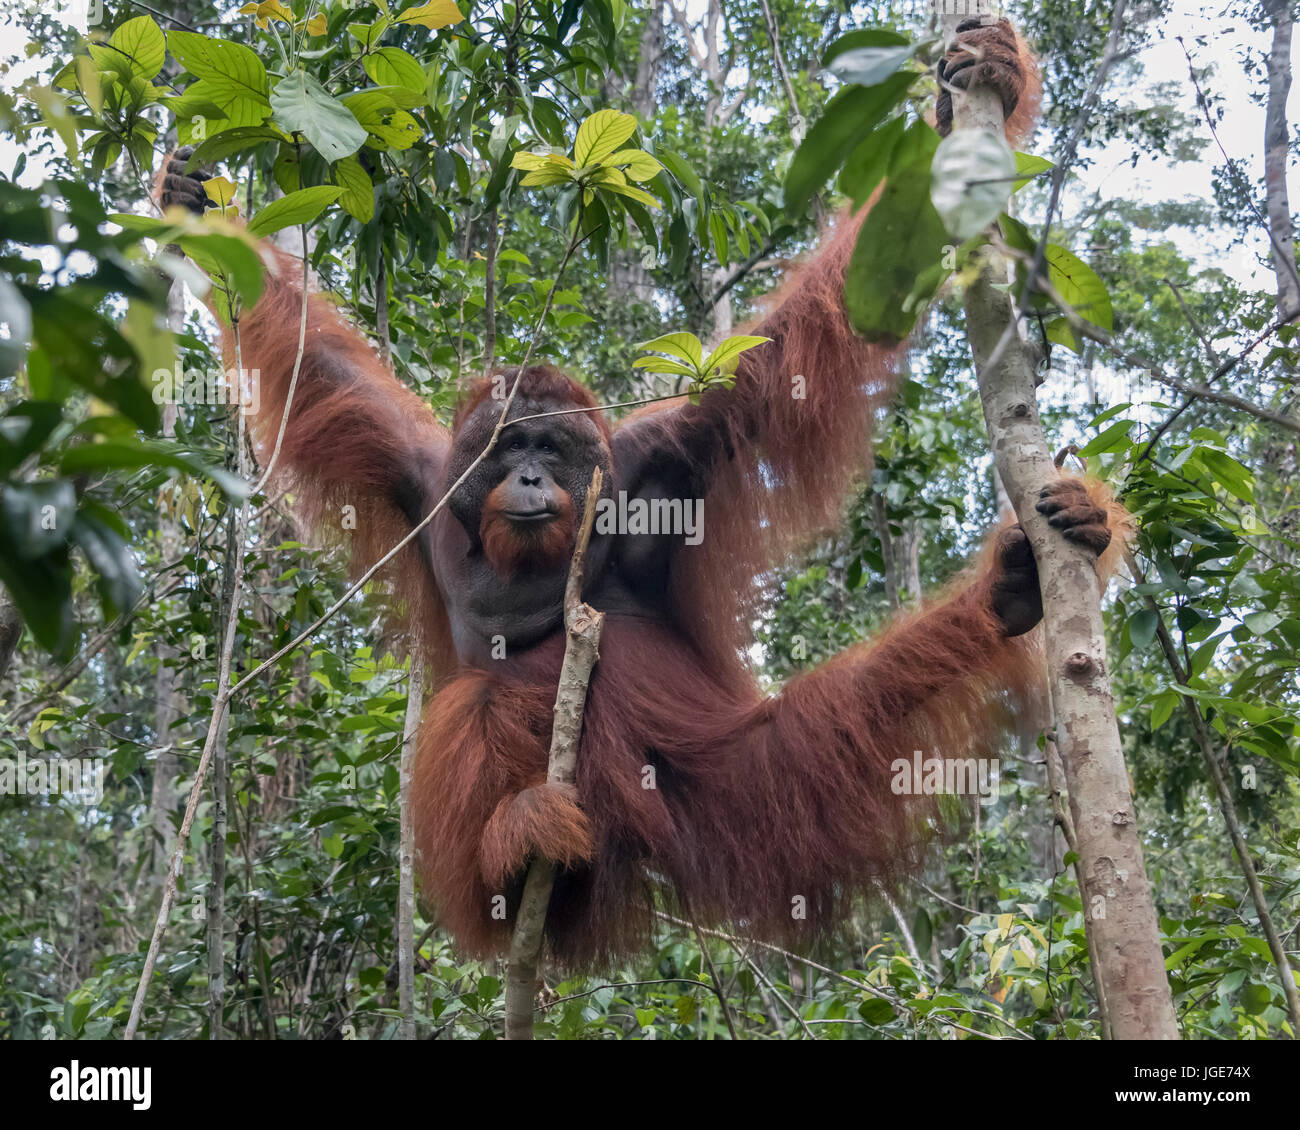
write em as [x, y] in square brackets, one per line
[530, 457]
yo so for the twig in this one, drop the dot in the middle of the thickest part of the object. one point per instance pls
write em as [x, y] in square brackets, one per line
[583, 626]
[406, 851]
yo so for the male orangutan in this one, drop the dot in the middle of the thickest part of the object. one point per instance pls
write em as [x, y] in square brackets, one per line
[765, 813]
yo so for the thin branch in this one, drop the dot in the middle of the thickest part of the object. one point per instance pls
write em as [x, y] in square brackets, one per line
[583, 626]
[1213, 767]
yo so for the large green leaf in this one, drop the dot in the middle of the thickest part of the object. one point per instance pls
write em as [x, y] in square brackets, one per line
[391, 66]
[970, 180]
[230, 71]
[600, 135]
[684, 345]
[870, 161]
[299, 207]
[142, 41]
[379, 113]
[849, 119]
[132, 455]
[867, 66]
[863, 37]
[357, 197]
[302, 105]
[1079, 286]
[230, 142]
[896, 265]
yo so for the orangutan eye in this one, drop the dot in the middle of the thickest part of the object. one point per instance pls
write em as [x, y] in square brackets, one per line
[548, 448]
[516, 445]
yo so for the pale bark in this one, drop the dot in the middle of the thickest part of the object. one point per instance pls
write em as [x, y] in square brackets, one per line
[583, 626]
[1120, 914]
[1061, 819]
[215, 735]
[229, 618]
[1277, 151]
[163, 794]
[406, 857]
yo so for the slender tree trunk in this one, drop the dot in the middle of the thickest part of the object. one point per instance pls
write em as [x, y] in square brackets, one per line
[406, 858]
[490, 293]
[1277, 151]
[1280, 457]
[1121, 913]
[162, 799]
[216, 934]
[627, 277]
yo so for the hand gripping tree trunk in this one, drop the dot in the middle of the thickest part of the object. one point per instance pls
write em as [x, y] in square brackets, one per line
[1119, 913]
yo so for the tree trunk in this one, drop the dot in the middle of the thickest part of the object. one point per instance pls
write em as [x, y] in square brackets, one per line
[162, 799]
[1120, 914]
[406, 853]
[1277, 137]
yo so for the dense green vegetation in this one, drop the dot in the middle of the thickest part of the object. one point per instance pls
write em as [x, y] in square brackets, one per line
[386, 138]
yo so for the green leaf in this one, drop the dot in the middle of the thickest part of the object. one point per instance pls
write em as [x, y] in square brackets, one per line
[876, 1011]
[730, 350]
[600, 135]
[1228, 473]
[1059, 332]
[896, 265]
[863, 37]
[867, 66]
[1261, 623]
[391, 66]
[38, 516]
[970, 180]
[229, 257]
[632, 193]
[640, 166]
[1031, 166]
[143, 41]
[868, 164]
[849, 118]
[663, 365]
[379, 114]
[435, 14]
[368, 34]
[545, 178]
[303, 106]
[1110, 439]
[299, 207]
[1079, 286]
[123, 455]
[230, 71]
[684, 345]
[681, 170]
[1142, 628]
[1163, 707]
[358, 195]
[230, 142]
